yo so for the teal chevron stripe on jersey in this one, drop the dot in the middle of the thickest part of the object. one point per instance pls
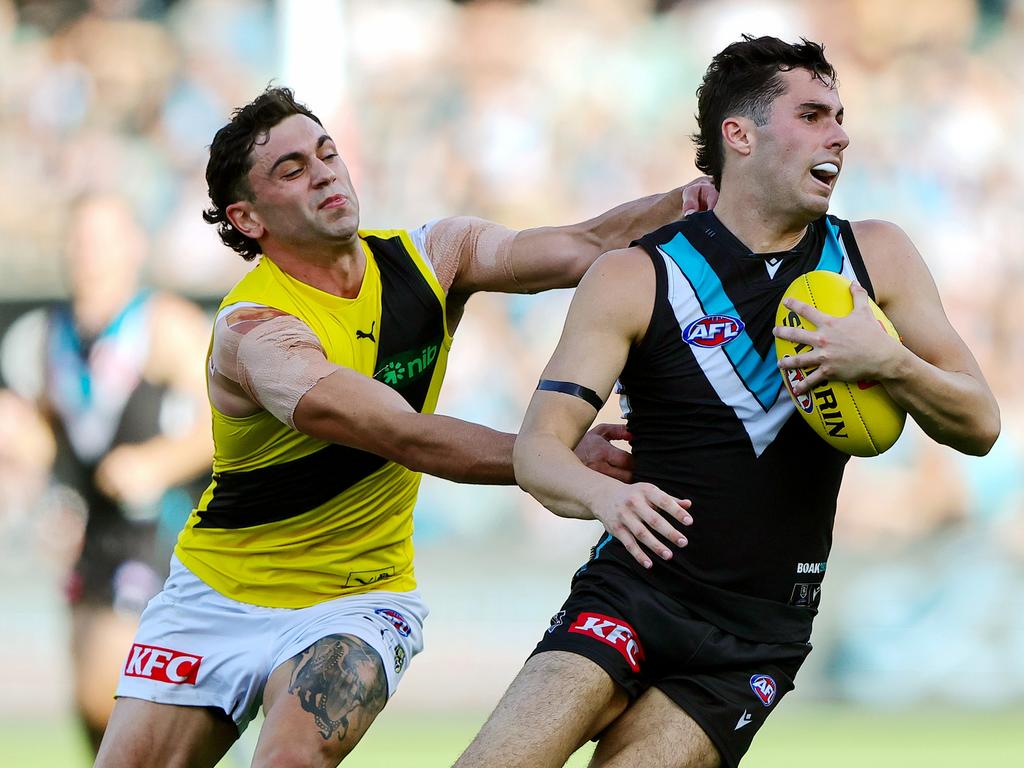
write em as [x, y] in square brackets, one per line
[760, 376]
[833, 254]
[761, 424]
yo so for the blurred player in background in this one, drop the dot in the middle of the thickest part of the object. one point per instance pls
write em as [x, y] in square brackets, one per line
[117, 374]
[292, 584]
[676, 658]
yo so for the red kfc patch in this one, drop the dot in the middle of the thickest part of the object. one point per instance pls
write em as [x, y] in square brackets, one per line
[163, 665]
[614, 632]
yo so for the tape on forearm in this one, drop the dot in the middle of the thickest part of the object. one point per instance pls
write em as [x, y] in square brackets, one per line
[279, 361]
[571, 388]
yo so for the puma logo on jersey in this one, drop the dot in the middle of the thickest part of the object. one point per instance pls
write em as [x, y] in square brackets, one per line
[367, 334]
[362, 578]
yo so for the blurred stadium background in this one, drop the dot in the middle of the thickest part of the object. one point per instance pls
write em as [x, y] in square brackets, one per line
[534, 113]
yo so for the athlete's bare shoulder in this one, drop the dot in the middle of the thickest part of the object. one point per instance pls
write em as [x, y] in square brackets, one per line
[242, 320]
[263, 357]
[619, 290]
[631, 269]
[261, 325]
[891, 258]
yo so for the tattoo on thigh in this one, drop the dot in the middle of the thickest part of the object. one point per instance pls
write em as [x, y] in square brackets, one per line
[339, 680]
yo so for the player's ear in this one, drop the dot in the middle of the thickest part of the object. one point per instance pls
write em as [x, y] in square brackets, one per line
[738, 134]
[245, 219]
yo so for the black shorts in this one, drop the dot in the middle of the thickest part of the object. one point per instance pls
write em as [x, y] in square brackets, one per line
[643, 638]
[123, 564]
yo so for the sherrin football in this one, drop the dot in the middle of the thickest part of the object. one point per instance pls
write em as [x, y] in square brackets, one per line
[858, 418]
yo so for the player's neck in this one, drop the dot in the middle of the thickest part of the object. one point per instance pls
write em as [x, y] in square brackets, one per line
[337, 270]
[757, 224]
[95, 310]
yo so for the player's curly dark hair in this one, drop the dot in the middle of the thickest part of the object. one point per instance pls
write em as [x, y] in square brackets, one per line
[231, 159]
[743, 79]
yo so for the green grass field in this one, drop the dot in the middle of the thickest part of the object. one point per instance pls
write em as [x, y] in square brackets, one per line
[824, 737]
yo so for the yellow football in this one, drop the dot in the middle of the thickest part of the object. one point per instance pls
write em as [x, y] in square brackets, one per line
[858, 418]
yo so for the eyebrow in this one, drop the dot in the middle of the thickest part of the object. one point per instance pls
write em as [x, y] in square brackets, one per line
[298, 155]
[821, 106]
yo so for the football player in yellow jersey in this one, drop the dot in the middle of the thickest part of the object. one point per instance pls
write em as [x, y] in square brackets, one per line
[292, 583]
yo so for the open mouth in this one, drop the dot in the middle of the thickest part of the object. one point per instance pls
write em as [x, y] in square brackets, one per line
[825, 172]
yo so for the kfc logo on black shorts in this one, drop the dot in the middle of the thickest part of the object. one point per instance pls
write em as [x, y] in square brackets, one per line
[614, 632]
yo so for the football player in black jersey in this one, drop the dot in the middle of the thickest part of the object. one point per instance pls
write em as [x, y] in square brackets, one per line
[117, 373]
[675, 657]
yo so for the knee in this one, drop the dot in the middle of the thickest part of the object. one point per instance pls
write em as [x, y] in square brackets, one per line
[677, 754]
[325, 754]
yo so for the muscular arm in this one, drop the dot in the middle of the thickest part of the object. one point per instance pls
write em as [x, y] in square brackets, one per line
[601, 327]
[933, 374]
[349, 408]
[538, 259]
[266, 359]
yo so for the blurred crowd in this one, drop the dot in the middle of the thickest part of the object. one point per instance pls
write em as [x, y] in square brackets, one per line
[547, 112]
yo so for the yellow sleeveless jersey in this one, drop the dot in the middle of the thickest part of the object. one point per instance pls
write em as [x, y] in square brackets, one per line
[288, 520]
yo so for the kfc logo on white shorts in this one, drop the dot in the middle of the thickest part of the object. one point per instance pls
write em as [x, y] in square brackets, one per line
[162, 665]
[614, 632]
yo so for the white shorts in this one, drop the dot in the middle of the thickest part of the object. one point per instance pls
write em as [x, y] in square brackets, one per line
[196, 647]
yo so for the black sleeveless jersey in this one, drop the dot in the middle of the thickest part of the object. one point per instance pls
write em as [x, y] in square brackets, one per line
[98, 399]
[712, 422]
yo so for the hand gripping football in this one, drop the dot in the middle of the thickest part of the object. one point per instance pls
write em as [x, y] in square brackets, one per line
[858, 418]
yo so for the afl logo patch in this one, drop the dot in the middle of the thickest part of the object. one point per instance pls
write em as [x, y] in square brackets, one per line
[764, 687]
[793, 376]
[712, 331]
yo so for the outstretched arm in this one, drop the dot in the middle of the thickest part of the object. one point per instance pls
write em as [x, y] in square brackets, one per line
[932, 375]
[264, 359]
[609, 313]
[538, 259]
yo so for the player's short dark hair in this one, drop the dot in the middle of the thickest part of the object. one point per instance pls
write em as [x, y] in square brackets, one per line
[231, 159]
[743, 79]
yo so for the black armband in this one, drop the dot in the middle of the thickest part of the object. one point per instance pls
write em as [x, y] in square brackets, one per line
[569, 388]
